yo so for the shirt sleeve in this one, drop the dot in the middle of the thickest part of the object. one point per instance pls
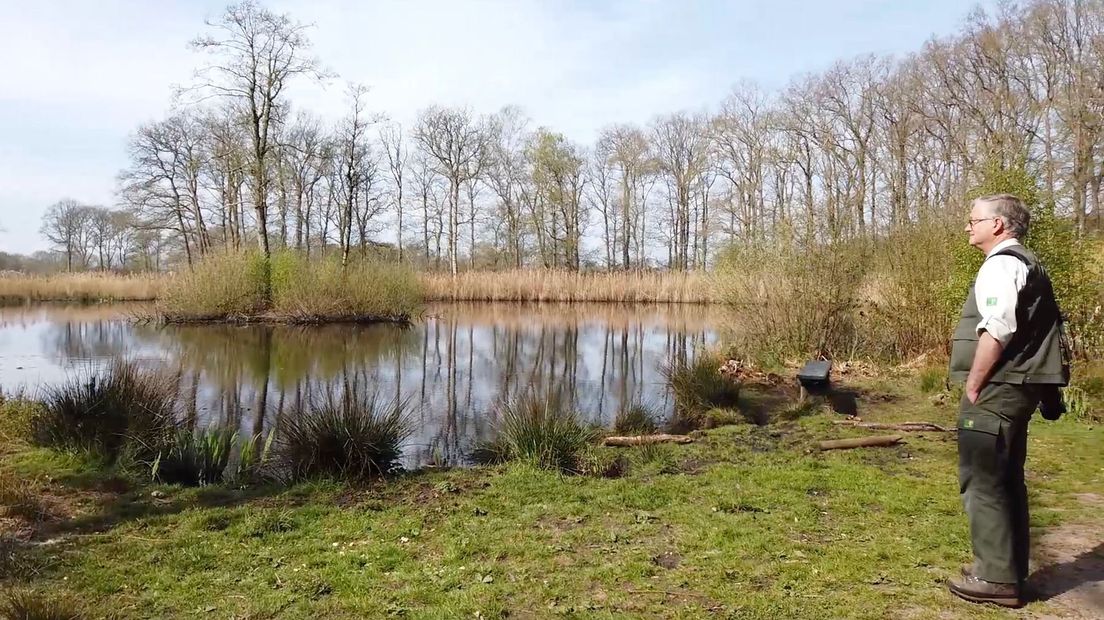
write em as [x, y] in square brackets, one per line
[996, 290]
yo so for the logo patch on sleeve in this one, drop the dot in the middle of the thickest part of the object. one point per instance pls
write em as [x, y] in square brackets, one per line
[990, 301]
[967, 424]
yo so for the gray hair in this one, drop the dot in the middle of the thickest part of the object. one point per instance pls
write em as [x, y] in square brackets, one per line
[1011, 210]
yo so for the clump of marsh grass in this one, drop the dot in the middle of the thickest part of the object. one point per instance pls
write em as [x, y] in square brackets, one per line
[19, 498]
[602, 463]
[323, 290]
[698, 387]
[491, 452]
[16, 414]
[932, 380]
[225, 284]
[542, 430]
[194, 459]
[29, 606]
[120, 407]
[636, 419]
[355, 438]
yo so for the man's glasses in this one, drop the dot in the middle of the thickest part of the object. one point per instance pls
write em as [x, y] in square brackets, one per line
[971, 222]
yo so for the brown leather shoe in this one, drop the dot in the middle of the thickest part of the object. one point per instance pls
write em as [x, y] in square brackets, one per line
[966, 570]
[977, 590]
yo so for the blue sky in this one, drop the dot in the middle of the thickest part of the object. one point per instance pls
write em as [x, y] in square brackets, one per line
[79, 77]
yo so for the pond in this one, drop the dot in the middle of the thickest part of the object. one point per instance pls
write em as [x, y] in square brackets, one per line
[455, 367]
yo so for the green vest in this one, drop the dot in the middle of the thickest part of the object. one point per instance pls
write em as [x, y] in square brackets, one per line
[1036, 353]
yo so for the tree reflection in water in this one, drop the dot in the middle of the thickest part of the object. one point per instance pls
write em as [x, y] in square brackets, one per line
[456, 367]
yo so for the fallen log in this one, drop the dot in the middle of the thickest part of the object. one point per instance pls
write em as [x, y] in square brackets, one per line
[640, 440]
[860, 442]
[904, 426]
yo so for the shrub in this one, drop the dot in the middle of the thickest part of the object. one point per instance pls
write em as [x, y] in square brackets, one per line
[698, 387]
[1078, 404]
[636, 419]
[224, 284]
[351, 439]
[194, 459]
[543, 431]
[122, 406]
[801, 297]
[905, 311]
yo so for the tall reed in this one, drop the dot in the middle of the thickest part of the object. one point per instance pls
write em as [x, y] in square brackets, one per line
[79, 287]
[553, 285]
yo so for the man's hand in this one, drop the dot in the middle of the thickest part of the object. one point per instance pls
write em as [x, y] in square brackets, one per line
[988, 352]
[973, 394]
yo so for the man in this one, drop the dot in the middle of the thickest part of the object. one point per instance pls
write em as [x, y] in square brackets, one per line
[1008, 350]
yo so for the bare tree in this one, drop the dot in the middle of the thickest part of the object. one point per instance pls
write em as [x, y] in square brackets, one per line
[391, 138]
[256, 55]
[64, 224]
[457, 143]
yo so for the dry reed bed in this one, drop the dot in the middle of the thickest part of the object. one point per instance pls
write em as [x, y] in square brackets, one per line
[568, 286]
[83, 287]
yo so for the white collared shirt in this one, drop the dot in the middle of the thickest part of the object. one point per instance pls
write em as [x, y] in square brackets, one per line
[998, 286]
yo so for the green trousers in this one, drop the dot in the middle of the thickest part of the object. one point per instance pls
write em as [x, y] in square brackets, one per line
[992, 448]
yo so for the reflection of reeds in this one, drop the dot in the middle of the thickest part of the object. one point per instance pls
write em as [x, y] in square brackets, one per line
[82, 287]
[569, 286]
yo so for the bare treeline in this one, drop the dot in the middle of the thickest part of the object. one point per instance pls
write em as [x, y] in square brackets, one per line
[866, 146]
[94, 237]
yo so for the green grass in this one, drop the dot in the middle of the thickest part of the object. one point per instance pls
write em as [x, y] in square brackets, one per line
[747, 522]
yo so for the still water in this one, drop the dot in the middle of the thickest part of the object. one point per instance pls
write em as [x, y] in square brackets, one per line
[455, 366]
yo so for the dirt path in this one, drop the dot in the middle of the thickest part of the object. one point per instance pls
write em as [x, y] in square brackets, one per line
[1070, 577]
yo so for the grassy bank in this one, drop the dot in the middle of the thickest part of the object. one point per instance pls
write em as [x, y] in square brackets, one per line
[80, 287]
[748, 522]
